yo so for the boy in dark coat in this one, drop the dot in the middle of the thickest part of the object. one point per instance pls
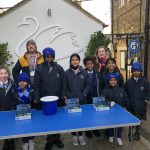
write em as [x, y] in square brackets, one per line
[115, 94]
[95, 86]
[7, 100]
[138, 90]
[49, 81]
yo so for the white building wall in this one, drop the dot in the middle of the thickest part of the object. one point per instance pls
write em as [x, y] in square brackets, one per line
[66, 29]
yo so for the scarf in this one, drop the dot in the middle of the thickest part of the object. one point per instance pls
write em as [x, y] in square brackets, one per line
[24, 96]
[32, 61]
[101, 62]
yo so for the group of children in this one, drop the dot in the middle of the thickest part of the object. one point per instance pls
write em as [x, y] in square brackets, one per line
[76, 82]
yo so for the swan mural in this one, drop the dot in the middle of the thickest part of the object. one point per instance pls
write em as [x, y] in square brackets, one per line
[55, 33]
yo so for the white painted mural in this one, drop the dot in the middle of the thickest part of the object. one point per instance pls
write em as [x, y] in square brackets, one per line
[51, 23]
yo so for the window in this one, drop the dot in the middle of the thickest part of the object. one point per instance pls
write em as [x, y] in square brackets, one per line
[122, 59]
[121, 3]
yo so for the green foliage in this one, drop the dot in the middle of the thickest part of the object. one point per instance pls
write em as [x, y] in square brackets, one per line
[5, 55]
[97, 39]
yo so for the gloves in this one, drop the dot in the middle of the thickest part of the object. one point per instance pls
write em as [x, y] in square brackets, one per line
[112, 104]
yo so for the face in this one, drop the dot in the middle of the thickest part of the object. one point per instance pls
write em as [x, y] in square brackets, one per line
[101, 53]
[113, 82]
[111, 65]
[89, 65]
[31, 48]
[23, 84]
[136, 73]
[49, 58]
[75, 61]
[3, 75]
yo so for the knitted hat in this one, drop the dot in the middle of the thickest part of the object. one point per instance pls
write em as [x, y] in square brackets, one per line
[23, 77]
[48, 51]
[136, 66]
[31, 42]
[112, 75]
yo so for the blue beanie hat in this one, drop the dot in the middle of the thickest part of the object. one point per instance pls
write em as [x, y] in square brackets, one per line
[23, 77]
[112, 75]
[136, 66]
[48, 51]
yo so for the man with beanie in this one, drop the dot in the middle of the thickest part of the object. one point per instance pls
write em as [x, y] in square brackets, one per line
[138, 90]
[49, 81]
[28, 62]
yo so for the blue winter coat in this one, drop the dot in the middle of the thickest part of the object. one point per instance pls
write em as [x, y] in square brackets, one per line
[77, 85]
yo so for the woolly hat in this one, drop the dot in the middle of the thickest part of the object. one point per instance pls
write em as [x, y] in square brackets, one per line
[23, 77]
[136, 66]
[48, 51]
[31, 42]
[112, 75]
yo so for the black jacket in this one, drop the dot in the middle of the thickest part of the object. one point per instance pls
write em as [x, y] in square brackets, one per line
[7, 99]
[23, 65]
[139, 94]
[76, 85]
[96, 85]
[118, 95]
[48, 82]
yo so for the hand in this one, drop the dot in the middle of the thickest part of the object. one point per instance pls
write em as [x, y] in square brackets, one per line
[112, 104]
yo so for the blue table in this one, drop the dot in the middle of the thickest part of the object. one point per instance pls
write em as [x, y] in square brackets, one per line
[63, 122]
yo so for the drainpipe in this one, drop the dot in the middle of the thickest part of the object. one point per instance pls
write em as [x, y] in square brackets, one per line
[146, 37]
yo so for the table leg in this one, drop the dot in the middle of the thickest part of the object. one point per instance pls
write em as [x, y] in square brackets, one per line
[115, 138]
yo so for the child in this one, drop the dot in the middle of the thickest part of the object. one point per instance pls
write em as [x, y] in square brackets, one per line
[49, 81]
[95, 86]
[111, 67]
[77, 87]
[115, 94]
[24, 95]
[7, 100]
[138, 90]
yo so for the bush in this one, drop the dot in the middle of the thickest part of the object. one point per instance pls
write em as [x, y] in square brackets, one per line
[5, 55]
[97, 39]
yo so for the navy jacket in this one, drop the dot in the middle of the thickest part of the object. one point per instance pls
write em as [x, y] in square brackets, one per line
[120, 80]
[48, 82]
[118, 95]
[7, 99]
[139, 94]
[96, 85]
[77, 84]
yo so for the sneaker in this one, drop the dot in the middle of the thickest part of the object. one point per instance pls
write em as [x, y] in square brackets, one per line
[119, 141]
[31, 145]
[25, 146]
[111, 139]
[75, 141]
[82, 140]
